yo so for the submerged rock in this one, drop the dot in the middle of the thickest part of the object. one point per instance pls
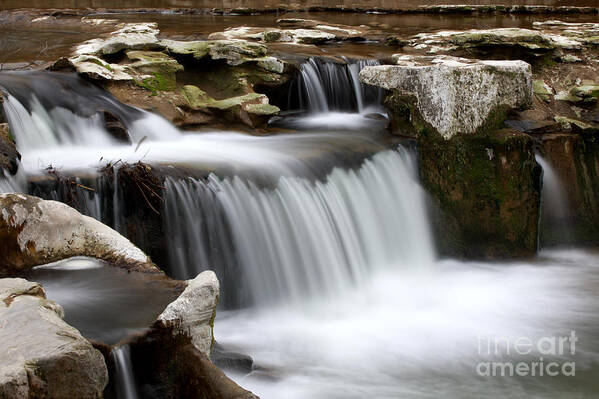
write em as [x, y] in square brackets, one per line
[42, 356]
[36, 232]
[451, 95]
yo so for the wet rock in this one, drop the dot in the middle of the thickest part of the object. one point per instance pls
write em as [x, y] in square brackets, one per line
[35, 232]
[316, 33]
[169, 366]
[236, 52]
[448, 95]
[229, 360]
[192, 313]
[42, 356]
[485, 193]
[9, 156]
[574, 157]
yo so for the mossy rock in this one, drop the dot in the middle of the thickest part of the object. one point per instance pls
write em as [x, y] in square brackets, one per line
[485, 191]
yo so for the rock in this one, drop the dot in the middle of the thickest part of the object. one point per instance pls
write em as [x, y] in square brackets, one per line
[198, 49]
[42, 356]
[531, 42]
[236, 52]
[168, 366]
[171, 360]
[192, 313]
[269, 35]
[36, 232]
[229, 360]
[131, 36]
[574, 158]
[485, 194]
[569, 58]
[9, 156]
[252, 108]
[580, 94]
[95, 68]
[541, 89]
[451, 95]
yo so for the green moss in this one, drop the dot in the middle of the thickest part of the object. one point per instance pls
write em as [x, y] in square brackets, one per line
[487, 192]
[157, 83]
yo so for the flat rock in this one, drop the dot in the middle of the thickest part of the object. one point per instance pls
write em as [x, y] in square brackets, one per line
[455, 95]
[42, 356]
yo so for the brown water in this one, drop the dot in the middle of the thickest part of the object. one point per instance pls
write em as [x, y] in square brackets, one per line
[261, 4]
[24, 41]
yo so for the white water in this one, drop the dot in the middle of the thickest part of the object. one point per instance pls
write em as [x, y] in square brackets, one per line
[412, 334]
[325, 86]
[125, 382]
[302, 238]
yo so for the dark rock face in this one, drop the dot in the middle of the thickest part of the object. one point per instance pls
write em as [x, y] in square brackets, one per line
[575, 160]
[486, 194]
[168, 366]
[9, 155]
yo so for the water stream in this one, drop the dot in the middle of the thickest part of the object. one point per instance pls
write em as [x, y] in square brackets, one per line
[321, 241]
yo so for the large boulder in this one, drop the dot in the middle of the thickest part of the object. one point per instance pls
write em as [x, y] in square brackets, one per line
[451, 95]
[35, 232]
[42, 356]
[192, 313]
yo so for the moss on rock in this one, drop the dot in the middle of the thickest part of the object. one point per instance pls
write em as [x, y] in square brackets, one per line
[486, 193]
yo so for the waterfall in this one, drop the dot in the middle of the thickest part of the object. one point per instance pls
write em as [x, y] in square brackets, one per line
[48, 110]
[301, 238]
[124, 380]
[556, 216]
[324, 86]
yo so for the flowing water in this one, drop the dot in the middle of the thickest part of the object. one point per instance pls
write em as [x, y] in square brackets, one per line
[321, 241]
[125, 386]
[556, 217]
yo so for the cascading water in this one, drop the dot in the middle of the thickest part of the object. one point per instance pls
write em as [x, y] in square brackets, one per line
[301, 237]
[326, 86]
[556, 217]
[49, 110]
[326, 234]
[125, 386]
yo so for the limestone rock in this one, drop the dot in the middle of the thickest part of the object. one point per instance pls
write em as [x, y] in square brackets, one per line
[236, 52]
[42, 356]
[252, 109]
[35, 232]
[532, 41]
[131, 36]
[96, 68]
[541, 89]
[192, 313]
[454, 95]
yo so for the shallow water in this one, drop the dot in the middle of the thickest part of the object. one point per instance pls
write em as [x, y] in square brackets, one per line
[416, 333]
[103, 302]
